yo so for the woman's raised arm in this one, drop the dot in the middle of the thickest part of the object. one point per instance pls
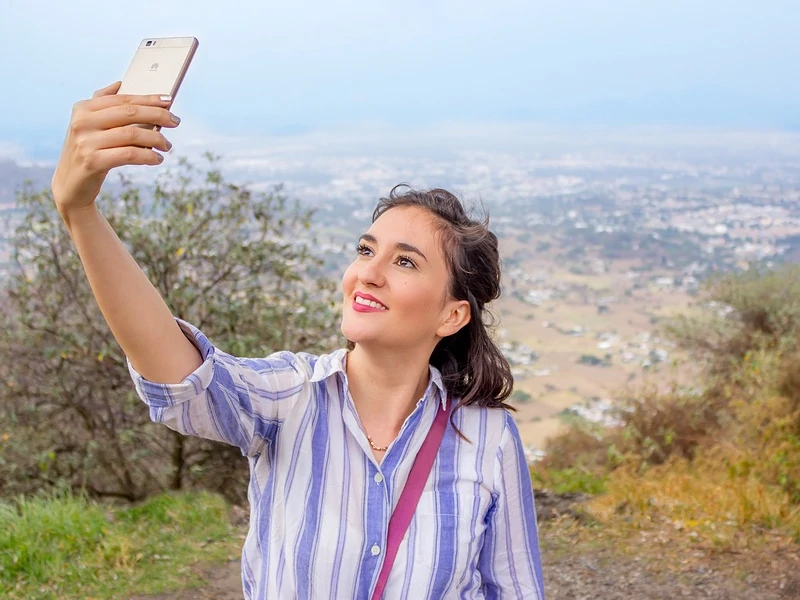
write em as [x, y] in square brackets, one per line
[104, 133]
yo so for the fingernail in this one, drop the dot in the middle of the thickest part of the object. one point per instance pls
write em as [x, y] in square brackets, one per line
[169, 145]
[175, 119]
[165, 98]
[160, 158]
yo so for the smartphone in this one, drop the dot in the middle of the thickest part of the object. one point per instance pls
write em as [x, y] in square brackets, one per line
[158, 67]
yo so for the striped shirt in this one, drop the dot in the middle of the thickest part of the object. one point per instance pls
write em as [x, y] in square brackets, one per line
[319, 501]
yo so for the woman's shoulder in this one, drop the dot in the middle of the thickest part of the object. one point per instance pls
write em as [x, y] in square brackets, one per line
[491, 426]
[314, 367]
[289, 367]
[304, 363]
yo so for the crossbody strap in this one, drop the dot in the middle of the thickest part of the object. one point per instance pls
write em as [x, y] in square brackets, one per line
[409, 498]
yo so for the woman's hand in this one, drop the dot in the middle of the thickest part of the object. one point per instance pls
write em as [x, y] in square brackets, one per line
[103, 133]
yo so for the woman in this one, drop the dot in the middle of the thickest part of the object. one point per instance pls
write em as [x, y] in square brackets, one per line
[331, 439]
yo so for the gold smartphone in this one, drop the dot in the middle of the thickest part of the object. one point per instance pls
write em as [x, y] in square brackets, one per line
[159, 66]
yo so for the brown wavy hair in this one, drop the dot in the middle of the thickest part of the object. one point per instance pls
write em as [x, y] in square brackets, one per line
[473, 368]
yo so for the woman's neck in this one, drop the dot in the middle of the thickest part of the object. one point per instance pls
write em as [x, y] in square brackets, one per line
[385, 388]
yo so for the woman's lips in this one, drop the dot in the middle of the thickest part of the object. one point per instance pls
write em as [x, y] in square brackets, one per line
[364, 308]
[366, 304]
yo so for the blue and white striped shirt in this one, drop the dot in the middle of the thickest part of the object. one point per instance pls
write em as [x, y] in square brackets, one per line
[321, 503]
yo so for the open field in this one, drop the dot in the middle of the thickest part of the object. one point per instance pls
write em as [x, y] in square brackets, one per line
[570, 323]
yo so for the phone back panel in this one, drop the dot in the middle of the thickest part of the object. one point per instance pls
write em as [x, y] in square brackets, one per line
[158, 66]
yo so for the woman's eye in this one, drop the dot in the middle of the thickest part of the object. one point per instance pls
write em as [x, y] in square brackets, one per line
[362, 249]
[404, 261]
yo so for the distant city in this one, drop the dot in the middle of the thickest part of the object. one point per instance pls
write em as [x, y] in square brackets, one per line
[604, 234]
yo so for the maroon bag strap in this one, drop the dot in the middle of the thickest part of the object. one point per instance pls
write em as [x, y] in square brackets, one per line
[409, 498]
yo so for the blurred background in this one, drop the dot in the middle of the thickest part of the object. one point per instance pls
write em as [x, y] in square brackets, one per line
[640, 164]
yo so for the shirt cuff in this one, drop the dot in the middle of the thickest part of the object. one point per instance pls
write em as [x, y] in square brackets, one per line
[162, 395]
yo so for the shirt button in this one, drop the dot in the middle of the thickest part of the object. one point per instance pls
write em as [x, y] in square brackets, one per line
[378, 478]
[375, 550]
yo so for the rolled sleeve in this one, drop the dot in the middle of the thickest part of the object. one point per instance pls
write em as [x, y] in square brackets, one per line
[163, 395]
[239, 401]
[510, 562]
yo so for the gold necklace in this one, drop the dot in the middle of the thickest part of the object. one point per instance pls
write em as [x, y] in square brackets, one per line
[376, 448]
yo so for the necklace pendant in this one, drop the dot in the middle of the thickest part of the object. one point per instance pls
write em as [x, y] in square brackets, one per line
[376, 448]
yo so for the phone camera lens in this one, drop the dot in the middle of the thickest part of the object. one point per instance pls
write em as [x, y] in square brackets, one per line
[148, 43]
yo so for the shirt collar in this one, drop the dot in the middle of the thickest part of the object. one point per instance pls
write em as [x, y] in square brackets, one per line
[328, 365]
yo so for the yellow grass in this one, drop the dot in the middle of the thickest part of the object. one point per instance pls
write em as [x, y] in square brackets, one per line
[703, 500]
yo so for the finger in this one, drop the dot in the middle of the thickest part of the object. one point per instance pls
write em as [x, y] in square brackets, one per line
[109, 90]
[131, 135]
[133, 114]
[105, 160]
[108, 101]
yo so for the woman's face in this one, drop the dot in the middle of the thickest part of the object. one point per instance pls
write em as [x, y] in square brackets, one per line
[396, 290]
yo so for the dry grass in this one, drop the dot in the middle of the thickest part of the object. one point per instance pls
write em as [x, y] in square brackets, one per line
[722, 472]
[721, 469]
[700, 498]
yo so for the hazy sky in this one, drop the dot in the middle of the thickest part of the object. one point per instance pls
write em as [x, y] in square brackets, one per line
[266, 66]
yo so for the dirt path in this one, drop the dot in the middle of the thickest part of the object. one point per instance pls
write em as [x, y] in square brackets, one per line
[223, 582]
[584, 563]
[602, 574]
[585, 575]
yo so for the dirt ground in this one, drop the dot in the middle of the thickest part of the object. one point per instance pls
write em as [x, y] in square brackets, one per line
[582, 562]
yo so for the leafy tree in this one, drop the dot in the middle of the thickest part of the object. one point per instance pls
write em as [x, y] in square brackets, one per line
[235, 263]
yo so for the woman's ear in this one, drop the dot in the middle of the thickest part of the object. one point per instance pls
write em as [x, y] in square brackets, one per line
[457, 313]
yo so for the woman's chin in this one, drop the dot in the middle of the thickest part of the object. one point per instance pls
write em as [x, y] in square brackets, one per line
[363, 338]
[357, 332]
[354, 334]
[357, 338]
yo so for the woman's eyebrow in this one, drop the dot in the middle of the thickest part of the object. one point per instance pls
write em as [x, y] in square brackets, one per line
[368, 237]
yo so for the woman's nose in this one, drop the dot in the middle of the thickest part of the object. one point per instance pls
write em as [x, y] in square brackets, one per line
[371, 273]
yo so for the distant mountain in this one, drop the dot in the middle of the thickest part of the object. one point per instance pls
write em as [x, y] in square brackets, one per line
[14, 176]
